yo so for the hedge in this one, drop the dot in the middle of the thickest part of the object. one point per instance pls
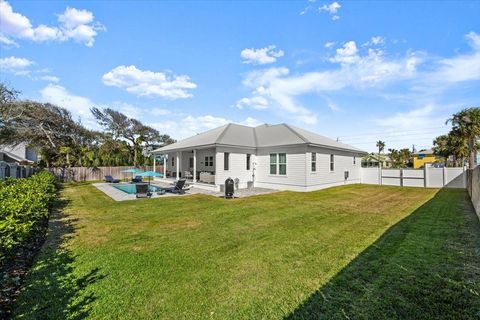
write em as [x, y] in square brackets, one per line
[24, 203]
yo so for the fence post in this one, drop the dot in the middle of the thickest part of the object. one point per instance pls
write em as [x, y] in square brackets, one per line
[444, 176]
[401, 177]
[425, 175]
[380, 182]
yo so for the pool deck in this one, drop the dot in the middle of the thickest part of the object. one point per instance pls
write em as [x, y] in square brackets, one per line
[118, 195]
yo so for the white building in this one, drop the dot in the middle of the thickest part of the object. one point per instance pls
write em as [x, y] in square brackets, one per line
[279, 156]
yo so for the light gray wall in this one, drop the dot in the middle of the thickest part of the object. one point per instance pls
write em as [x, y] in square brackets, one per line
[237, 165]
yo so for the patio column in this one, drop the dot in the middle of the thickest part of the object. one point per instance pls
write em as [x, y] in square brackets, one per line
[177, 162]
[154, 162]
[165, 158]
[194, 165]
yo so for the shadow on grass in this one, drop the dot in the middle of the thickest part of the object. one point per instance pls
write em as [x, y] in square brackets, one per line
[427, 266]
[52, 288]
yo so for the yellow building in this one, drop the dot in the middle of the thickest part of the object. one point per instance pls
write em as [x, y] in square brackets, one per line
[425, 156]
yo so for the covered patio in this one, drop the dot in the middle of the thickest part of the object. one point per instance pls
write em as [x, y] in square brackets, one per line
[197, 166]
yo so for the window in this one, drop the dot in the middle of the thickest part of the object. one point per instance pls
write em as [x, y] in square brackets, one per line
[314, 161]
[211, 161]
[206, 161]
[173, 161]
[332, 163]
[273, 163]
[248, 161]
[282, 163]
[191, 163]
[278, 163]
[354, 160]
[226, 157]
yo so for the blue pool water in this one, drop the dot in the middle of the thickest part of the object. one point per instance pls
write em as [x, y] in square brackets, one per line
[130, 188]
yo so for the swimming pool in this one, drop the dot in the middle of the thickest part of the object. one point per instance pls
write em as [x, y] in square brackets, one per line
[130, 188]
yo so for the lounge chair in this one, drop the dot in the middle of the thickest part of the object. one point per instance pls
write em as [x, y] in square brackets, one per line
[141, 191]
[178, 188]
[137, 179]
[111, 180]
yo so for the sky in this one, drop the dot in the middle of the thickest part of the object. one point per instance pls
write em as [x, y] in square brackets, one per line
[350, 70]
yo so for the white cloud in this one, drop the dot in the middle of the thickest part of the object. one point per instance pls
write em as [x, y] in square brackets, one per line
[256, 102]
[79, 106]
[73, 24]
[331, 9]
[191, 125]
[463, 67]
[261, 56]
[347, 54]
[329, 44]
[18, 66]
[149, 83]
[413, 119]
[50, 78]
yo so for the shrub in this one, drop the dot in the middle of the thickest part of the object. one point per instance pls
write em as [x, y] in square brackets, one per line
[24, 203]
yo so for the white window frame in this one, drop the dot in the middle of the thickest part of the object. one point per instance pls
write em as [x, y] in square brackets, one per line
[332, 163]
[313, 162]
[277, 164]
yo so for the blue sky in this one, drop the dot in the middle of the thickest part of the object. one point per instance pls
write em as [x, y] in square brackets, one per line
[360, 71]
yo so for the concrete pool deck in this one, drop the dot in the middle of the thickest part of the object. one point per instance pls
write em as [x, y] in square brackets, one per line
[118, 195]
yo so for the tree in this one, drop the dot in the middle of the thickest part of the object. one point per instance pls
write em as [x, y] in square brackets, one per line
[400, 158]
[381, 146]
[138, 135]
[466, 126]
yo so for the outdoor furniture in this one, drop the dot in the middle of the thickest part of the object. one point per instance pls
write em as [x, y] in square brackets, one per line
[142, 191]
[111, 180]
[188, 175]
[137, 179]
[178, 188]
[207, 177]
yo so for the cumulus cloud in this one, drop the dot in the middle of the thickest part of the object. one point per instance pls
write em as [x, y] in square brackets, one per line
[331, 9]
[257, 103]
[149, 83]
[15, 65]
[74, 24]
[261, 56]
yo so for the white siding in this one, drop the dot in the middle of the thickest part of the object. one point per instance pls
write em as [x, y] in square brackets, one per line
[295, 177]
[323, 177]
[237, 166]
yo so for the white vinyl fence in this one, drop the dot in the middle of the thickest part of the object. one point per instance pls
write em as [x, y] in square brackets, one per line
[426, 177]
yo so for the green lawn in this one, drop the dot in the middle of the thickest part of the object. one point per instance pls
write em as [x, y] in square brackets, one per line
[348, 252]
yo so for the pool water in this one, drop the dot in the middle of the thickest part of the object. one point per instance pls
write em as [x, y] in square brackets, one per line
[130, 188]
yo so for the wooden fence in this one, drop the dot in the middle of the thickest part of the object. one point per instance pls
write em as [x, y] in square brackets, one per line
[98, 173]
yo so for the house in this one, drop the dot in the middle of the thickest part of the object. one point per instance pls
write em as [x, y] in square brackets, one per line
[279, 156]
[376, 160]
[425, 157]
[21, 154]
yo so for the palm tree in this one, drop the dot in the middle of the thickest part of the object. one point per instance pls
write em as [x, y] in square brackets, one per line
[380, 145]
[466, 125]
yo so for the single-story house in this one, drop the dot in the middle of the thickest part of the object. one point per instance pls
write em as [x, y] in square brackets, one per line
[279, 156]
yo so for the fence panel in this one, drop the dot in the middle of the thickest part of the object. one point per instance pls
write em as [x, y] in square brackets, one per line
[413, 178]
[391, 177]
[435, 177]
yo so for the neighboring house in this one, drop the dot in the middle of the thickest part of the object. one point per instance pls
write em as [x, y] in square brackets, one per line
[375, 160]
[270, 156]
[20, 154]
[425, 157]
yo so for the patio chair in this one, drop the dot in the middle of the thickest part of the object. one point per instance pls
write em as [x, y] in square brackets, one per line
[111, 180]
[142, 191]
[178, 188]
[137, 179]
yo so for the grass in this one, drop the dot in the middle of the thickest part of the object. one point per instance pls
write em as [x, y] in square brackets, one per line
[349, 252]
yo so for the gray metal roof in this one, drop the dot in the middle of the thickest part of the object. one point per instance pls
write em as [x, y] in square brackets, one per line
[255, 137]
